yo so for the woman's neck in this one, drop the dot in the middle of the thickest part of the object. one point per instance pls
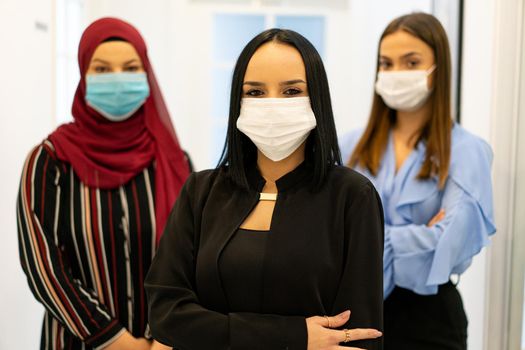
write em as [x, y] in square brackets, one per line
[272, 171]
[409, 125]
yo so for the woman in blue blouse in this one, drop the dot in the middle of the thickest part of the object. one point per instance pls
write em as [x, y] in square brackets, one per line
[434, 180]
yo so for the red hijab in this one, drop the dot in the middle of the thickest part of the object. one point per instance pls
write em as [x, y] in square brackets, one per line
[107, 154]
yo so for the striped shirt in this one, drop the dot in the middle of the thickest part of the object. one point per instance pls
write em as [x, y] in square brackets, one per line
[85, 252]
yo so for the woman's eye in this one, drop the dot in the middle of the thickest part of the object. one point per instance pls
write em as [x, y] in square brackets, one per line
[384, 64]
[412, 64]
[131, 68]
[292, 91]
[254, 93]
[102, 69]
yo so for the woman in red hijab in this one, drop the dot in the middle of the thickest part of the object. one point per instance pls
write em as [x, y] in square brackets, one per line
[95, 195]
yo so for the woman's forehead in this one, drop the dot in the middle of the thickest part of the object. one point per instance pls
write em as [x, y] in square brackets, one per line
[275, 61]
[115, 52]
[401, 42]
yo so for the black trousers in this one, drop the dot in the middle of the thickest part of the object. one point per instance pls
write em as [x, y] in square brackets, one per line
[425, 322]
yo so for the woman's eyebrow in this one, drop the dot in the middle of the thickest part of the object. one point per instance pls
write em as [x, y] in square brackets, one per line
[253, 83]
[292, 82]
[412, 53]
[130, 61]
[100, 60]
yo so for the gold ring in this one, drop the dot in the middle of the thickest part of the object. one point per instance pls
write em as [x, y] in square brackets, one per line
[327, 320]
[347, 335]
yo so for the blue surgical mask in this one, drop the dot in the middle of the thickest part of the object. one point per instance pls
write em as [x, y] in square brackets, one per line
[117, 96]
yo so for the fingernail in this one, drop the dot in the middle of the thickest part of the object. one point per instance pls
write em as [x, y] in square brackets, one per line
[378, 334]
[345, 314]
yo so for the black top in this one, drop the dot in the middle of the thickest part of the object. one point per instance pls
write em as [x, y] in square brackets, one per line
[241, 268]
[324, 256]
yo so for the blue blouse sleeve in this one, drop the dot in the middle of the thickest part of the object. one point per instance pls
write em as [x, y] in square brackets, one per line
[420, 258]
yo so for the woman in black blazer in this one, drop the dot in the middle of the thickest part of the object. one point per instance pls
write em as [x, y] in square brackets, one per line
[258, 250]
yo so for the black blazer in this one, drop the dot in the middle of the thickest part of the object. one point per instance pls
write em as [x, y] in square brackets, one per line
[324, 256]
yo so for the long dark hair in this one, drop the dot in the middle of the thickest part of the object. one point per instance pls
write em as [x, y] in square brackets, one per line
[322, 148]
[437, 131]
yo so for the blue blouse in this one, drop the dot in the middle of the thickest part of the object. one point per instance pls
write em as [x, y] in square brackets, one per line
[418, 257]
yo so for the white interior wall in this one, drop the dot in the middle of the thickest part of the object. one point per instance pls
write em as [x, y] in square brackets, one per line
[26, 97]
[502, 331]
[476, 117]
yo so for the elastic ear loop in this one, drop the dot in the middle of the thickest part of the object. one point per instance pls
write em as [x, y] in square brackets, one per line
[431, 69]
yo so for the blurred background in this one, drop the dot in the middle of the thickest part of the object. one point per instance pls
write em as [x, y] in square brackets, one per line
[193, 45]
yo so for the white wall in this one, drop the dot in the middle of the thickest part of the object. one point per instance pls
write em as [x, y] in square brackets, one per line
[476, 117]
[502, 319]
[26, 96]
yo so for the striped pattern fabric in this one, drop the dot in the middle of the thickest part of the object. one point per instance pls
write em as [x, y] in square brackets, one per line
[85, 252]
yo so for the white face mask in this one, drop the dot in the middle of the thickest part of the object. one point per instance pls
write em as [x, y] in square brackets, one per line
[404, 90]
[277, 126]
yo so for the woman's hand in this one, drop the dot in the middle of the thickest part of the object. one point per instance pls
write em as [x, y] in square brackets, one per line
[128, 342]
[158, 346]
[322, 337]
[437, 218]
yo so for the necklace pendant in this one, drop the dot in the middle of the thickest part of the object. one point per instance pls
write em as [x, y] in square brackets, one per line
[268, 197]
